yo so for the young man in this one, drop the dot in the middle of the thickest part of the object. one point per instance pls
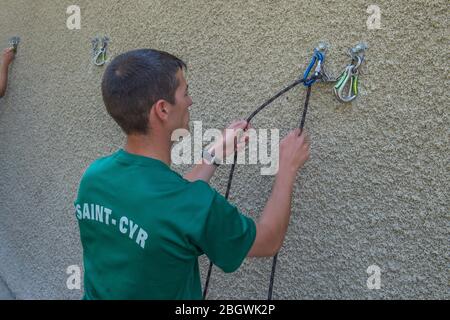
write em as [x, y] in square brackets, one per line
[142, 225]
[8, 57]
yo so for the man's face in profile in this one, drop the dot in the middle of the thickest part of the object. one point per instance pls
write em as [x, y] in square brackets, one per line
[180, 112]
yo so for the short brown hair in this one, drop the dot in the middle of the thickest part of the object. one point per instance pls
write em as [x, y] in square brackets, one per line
[134, 81]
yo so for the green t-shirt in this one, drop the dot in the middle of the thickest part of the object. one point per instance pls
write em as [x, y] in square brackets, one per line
[143, 227]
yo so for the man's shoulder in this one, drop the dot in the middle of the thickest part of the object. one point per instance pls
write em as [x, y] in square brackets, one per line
[99, 165]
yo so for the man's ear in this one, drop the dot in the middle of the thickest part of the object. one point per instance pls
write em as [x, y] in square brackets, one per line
[161, 110]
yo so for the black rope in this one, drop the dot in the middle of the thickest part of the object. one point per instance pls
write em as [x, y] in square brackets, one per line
[233, 167]
[272, 276]
[302, 126]
[275, 97]
[305, 110]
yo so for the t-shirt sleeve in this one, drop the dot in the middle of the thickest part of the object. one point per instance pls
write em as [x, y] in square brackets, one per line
[227, 235]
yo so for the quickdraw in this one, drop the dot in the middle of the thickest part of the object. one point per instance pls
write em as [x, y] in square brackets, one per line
[99, 55]
[350, 76]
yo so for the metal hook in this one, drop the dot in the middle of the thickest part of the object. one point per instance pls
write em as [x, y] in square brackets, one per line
[99, 59]
[359, 50]
[14, 43]
[317, 60]
[358, 53]
[348, 78]
[99, 55]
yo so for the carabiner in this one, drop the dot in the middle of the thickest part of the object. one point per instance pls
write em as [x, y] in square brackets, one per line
[350, 74]
[100, 57]
[317, 60]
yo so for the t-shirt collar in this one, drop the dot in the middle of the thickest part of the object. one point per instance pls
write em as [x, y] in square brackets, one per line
[131, 158]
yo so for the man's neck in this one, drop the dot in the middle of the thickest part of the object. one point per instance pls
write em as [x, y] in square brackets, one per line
[149, 146]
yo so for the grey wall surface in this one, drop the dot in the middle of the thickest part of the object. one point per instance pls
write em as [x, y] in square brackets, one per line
[375, 191]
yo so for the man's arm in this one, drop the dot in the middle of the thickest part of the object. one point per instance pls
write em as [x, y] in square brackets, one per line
[205, 171]
[272, 226]
[8, 56]
[202, 171]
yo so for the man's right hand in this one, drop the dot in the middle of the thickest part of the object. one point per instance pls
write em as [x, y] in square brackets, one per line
[294, 151]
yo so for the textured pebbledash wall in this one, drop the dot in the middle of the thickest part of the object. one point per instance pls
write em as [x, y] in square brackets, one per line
[375, 191]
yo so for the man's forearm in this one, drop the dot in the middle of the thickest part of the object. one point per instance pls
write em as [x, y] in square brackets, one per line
[276, 214]
[202, 171]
